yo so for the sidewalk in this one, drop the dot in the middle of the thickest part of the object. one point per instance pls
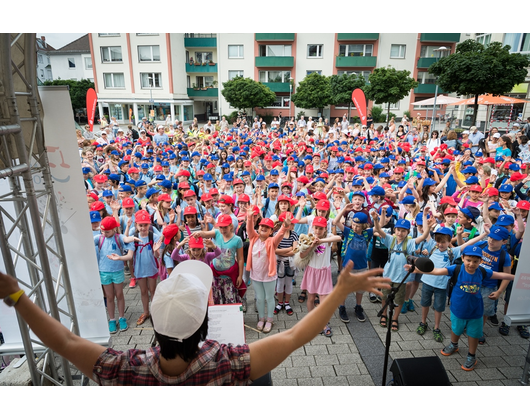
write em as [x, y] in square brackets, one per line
[355, 353]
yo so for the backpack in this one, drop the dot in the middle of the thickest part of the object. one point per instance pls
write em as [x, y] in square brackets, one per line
[454, 278]
[391, 250]
[116, 238]
[450, 254]
[266, 206]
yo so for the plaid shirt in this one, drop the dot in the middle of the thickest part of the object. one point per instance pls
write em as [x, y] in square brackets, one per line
[216, 364]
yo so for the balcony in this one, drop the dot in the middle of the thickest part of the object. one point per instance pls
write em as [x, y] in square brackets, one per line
[357, 37]
[195, 40]
[203, 92]
[274, 61]
[274, 37]
[278, 87]
[201, 69]
[440, 37]
[429, 88]
[357, 61]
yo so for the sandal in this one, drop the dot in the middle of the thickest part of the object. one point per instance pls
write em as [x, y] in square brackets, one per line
[302, 297]
[268, 327]
[260, 325]
[317, 301]
[142, 319]
[383, 321]
[327, 331]
[395, 325]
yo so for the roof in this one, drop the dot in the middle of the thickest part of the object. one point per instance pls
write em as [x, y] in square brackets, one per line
[80, 46]
[44, 46]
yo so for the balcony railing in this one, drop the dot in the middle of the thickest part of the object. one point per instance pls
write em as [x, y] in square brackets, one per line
[274, 61]
[203, 92]
[192, 68]
[356, 61]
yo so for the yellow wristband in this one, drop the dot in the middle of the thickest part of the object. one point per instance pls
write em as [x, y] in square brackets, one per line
[16, 296]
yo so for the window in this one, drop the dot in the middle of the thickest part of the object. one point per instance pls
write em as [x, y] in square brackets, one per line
[308, 72]
[111, 54]
[484, 39]
[274, 76]
[203, 57]
[88, 63]
[234, 73]
[280, 102]
[142, 34]
[356, 50]
[365, 74]
[385, 106]
[39, 59]
[314, 50]
[235, 51]
[274, 50]
[427, 51]
[397, 51]
[71, 63]
[113, 80]
[109, 34]
[204, 81]
[151, 80]
[518, 42]
[148, 53]
[424, 77]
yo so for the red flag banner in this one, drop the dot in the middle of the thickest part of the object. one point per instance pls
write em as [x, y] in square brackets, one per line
[91, 100]
[359, 101]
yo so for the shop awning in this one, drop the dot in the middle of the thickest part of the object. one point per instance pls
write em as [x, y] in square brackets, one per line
[491, 100]
[440, 100]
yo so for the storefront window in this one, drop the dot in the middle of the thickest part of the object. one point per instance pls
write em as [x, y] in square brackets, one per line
[116, 110]
[188, 112]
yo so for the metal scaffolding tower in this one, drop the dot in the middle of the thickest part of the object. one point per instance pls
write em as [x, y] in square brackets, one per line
[35, 220]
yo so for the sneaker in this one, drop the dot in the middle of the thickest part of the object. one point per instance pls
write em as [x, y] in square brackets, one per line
[288, 309]
[482, 340]
[373, 298]
[294, 282]
[421, 328]
[523, 331]
[343, 315]
[494, 320]
[410, 305]
[405, 307]
[359, 313]
[278, 308]
[470, 363]
[244, 304]
[438, 337]
[379, 299]
[449, 350]
[132, 283]
[113, 327]
[504, 329]
[123, 324]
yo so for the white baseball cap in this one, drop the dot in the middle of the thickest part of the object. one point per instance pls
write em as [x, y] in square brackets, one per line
[497, 135]
[181, 301]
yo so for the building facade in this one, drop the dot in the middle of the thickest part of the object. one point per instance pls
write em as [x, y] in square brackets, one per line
[73, 61]
[44, 68]
[180, 76]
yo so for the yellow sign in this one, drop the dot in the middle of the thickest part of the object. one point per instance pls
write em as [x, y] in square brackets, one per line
[520, 88]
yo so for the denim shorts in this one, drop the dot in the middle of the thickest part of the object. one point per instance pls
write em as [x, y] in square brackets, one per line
[473, 327]
[439, 297]
[489, 304]
[414, 277]
[115, 277]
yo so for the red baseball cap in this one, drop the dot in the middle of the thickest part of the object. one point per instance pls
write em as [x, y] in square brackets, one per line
[516, 176]
[451, 210]
[190, 210]
[127, 203]
[398, 170]
[93, 195]
[243, 198]
[213, 191]
[320, 221]
[206, 197]
[476, 188]
[319, 195]
[184, 185]
[303, 179]
[196, 242]
[142, 216]
[287, 215]
[493, 191]
[157, 168]
[224, 220]
[169, 232]
[323, 205]
[109, 223]
[267, 222]
[523, 205]
[189, 193]
[283, 198]
[164, 197]
[100, 178]
[226, 199]
[133, 171]
[97, 206]
[449, 200]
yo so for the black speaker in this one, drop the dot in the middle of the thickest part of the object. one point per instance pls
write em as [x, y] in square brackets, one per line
[419, 371]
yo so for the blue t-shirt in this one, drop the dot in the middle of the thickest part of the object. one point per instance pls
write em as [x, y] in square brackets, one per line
[466, 300]
[110, 246]
[490, 259]
[357, 248]
[440, 260]
[269, 211]
[144, 258]
[394, 268]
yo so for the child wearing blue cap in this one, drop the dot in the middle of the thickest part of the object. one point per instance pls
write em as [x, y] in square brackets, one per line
[467, 306]
[399, 247]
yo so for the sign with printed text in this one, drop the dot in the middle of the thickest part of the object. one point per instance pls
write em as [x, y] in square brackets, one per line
[359, 101]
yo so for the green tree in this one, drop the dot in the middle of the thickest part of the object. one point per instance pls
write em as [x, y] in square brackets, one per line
[476, 70]
[388, 85]
[243, 93]
[313, 92]
[77, 90]
[342, 86]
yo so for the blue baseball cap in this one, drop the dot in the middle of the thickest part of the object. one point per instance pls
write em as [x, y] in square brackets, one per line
[472, 180]
[166, 183]
[95, 217]
[403, 224]
[427, 182]
[470, 212]
[359, 193]
[260, 178]
[140, 183]
[125, 188]
[275, 172]
[469, 170]
[514, 167]
[495, 206]
[273, 185]
[505, 220]
[472, 251]
[145, 166]
[150, 192]
[360, 218]
[107, 193]
[245, 173]
[506, 188]
[419, 218]
[86, 170]
[207, 177]
[160, 177]
[377, 191]
[499, 233]
[409, 199]
[384, 175]
[388, 211]
[444, 231]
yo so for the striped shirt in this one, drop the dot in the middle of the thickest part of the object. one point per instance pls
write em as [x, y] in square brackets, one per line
[215, 364]
[287, 243]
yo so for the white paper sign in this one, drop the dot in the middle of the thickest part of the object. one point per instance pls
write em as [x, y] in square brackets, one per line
[226, 324]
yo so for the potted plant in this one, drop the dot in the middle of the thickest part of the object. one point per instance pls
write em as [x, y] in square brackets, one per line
[204, 63]
[214, 83]
[211, 63]
[197, 63]
[195, 87]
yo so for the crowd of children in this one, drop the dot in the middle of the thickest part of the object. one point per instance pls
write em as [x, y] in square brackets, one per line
[246, 200]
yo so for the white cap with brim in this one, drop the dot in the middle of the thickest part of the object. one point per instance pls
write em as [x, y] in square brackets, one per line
[180, 302]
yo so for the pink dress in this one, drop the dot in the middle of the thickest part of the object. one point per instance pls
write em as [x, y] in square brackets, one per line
[317, 275]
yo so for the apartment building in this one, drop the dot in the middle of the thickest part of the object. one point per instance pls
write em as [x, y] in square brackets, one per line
[73, 61]
[182, 75]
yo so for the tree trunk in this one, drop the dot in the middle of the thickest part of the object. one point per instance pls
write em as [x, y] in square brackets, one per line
[388, 114]
[349, 112]
[475, 111]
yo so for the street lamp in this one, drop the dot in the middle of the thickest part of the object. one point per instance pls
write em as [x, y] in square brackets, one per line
[440, 50]
[290, 92]
[151, 102]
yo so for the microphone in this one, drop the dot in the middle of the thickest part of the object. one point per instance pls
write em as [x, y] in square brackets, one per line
[422, 263]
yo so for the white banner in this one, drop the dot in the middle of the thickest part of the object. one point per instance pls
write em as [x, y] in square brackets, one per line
[519, 307]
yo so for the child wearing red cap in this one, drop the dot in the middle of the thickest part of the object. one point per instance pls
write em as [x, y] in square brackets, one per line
[261, 263]
[110, 247]
[317, 275]
[171, 236]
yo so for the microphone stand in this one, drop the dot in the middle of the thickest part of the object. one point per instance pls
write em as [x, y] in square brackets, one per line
[391, 305]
